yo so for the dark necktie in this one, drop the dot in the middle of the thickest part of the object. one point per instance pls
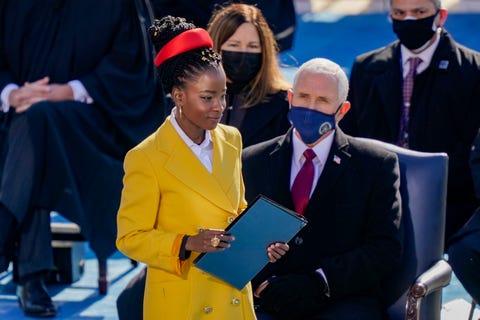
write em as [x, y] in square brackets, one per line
[407, 94]
[302, 185]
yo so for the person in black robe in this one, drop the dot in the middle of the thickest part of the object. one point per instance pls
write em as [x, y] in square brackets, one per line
[77, 92]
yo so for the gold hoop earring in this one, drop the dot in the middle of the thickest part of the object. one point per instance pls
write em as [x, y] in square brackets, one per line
[180, 109]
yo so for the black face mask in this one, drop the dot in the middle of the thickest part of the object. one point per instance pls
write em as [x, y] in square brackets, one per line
[413, 34]
[241, 67]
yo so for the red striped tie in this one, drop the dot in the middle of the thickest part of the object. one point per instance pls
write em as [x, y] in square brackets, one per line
[302, 185]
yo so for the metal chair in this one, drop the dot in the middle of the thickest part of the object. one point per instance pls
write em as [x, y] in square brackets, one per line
[472, 309]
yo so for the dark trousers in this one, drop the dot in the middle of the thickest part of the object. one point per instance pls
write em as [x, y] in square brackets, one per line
[354, 308]
[130, 305]
[130, 300]
[8, 228]
[464, 255]
[31, 226]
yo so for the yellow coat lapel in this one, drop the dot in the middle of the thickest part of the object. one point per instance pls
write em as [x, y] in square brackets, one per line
[186, 167]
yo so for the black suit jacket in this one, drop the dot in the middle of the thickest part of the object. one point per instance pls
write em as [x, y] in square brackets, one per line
[444, 112]
[353, 214]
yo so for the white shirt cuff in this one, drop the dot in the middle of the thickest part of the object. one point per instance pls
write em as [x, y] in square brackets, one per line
[80, 94]
[6, 94]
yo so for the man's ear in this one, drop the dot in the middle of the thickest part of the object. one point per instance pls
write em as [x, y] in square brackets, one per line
[443, 13]
[344, 108]
[290, 96]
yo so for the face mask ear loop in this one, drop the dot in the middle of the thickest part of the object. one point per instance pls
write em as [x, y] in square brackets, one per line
[434, 28]
[338, 109]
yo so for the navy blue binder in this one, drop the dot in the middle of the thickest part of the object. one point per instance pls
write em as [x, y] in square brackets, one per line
[263, 222]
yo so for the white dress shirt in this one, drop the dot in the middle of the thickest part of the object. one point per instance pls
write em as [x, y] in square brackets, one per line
[203, 151]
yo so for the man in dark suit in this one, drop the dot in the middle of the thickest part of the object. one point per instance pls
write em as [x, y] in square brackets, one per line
[336, 264]
[440, 113]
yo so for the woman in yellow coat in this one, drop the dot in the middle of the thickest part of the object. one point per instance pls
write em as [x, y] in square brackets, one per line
[183, 185]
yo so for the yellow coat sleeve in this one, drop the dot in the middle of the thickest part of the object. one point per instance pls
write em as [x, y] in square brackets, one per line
[136, 220]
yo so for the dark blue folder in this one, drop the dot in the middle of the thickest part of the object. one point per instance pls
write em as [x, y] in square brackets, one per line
[263, 222]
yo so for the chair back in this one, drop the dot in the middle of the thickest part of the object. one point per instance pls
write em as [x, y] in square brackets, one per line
[423, 188]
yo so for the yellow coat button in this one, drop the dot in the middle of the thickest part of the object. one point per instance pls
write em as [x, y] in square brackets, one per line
[236, 302]
[208, 310]
[230, 219]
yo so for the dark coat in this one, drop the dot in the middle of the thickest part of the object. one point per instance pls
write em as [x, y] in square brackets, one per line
[444, 112]
[261, 122]
[353, 214]
[464, 248]
[79, 148]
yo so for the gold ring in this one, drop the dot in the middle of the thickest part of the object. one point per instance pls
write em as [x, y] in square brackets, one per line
[215, 241]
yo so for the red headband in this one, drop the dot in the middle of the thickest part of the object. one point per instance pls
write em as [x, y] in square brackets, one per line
[185, 41]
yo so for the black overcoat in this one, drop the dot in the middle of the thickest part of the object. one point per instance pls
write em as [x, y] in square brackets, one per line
[444, 112]
[79, 147]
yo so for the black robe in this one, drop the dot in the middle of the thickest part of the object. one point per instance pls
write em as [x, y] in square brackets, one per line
[78, 147]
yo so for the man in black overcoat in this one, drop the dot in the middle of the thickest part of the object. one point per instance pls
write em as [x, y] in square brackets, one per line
[77, 92]
[444, 108]
[352, 241]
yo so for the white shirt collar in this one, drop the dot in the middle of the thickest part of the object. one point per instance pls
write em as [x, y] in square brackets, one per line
[192, 145]
[321, 149]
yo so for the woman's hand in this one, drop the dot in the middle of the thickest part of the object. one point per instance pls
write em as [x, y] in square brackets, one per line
[209, 240]
[276, 250]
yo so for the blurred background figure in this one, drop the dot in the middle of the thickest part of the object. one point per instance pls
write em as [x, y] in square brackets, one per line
[464, 249]
[280, 14]
[256, 89]
[77, 92]
[421, 92]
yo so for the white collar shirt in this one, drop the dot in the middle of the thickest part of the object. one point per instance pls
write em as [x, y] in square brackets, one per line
[203, 151]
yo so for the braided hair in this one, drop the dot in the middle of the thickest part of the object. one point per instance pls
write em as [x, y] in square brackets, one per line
[183, 67]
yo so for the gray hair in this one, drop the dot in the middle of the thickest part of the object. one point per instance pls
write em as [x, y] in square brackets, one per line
[437, 3]
[326, 67]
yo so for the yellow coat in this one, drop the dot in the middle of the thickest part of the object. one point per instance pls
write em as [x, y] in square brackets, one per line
[168, 193]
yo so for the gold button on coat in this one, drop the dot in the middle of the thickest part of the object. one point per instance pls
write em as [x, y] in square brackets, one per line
[236, 302]
[208, 310]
